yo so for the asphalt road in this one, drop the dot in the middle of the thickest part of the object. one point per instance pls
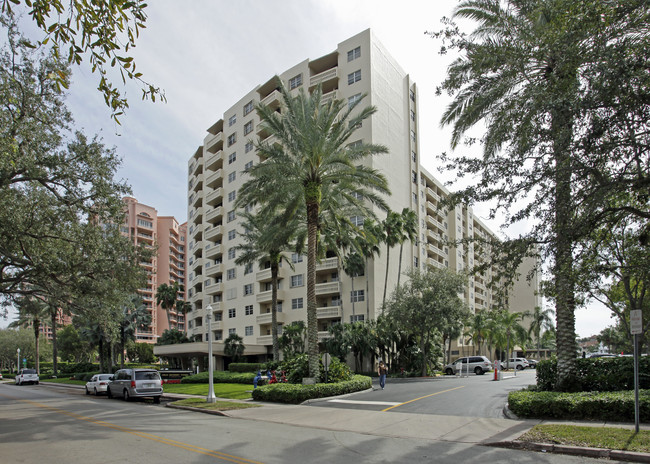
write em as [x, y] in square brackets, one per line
[43, 424]
[471, 396]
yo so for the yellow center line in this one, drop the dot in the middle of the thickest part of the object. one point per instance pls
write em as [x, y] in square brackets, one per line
[156, 438]
[422, 397]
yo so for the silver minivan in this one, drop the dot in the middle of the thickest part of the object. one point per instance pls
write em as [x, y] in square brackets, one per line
[476, 364]
[136, 383]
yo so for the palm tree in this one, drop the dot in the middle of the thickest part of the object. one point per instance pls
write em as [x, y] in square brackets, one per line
[313, 158]
[166, 297]
[509, 322]
[540, 319]
[368, 245]
[515, 76]
[266, 237]
[392, 226]
[134, 316]
[477, 329]
[234, 347]
[32, 311]
[353, 266]
[409, 231]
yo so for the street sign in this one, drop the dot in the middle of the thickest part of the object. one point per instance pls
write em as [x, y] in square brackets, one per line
[636, 322]
[327, 359]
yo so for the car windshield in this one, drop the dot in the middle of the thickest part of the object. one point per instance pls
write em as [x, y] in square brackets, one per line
[105, 377]
[29, 371]
[147, 376]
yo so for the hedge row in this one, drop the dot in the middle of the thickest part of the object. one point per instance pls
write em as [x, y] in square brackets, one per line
[295, 394]
[245, 367]
[221, 377]
[597, 374]
[601, 406]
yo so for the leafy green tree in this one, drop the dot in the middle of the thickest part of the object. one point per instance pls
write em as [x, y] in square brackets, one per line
[292, 340]
[167, 298]
[234, 347]
[266, 238]
[31, 312]
[310, 164]
[134, 316]
[409, 232]
[428, 304]
[476, 329]
[362, 340]
[172, 337]
[71, 347]
[102, 32]
[140, 352]
[392, 235]
[540, 319]
[510, 322]
[10, 341]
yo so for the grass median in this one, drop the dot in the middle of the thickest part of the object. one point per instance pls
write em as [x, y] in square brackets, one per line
[612, 438]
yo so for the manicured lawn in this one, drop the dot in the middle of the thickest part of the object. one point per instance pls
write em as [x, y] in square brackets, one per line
[235, 391]
[592, 437]
[65, 380]
[217, 405]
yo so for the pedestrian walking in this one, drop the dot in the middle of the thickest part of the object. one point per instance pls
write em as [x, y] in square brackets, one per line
[382, 370]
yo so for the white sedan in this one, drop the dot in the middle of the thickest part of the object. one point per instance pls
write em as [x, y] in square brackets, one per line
[98, 383]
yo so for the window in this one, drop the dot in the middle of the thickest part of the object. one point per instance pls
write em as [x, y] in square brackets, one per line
[354, 77]
[354, 54]
[357, 220]
[296, 258]
[296, 303]
[412, 95]
[248, 147]
[248, 107]
[248, 330]
[248, 289]
[295, 82]
[248, 310]
[415, 198]
[232, 195]
[232, 138]
[248, 127]
[412, 115]
[357, 295]
[296, 280]
[356, 318]
[414, 177]
[353, 99]
[231, 216]
[232, 331]
[248, 165]
[416, 263]
[231, 274]
[414, 156]
[413, 135]
[143, 223]
[232, 120]
[218, 335]
[232, 176]
[232, 157]
[231, 253]
[231, 294]
[232, 234]
[248, 268]
[232, 312]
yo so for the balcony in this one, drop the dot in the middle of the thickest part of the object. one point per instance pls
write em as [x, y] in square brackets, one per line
[265, 340]
[214, 161]
[212, 251]
[433, 194]
[212, 232]
[327, 264]
[329, 96]
[328, 288]
[328, 312]
[214, 197]
[198, 262]
[273, 98]
[214, 214]
[263, 275]
[323, 77]
[213, 142]
[211, 269]
[323, 335]
[214, 287]
[265, 297]
[266, 318]
[214, 179]
[197, 183]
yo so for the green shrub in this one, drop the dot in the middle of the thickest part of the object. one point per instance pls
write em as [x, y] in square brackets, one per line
[221, 377]
[71, 368]
[598, 374]
[295, 394]
[244, 367]
[298, 367]
[601, 406]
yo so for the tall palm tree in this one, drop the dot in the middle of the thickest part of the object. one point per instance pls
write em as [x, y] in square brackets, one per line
[312, 158]
[409, 231]
[166, 297]
[353, 266]
[509, 323]
[234, 347]
[368, 245]
[266, 238]
[477, 329]
[134, 316]
[392, 226]
[540, 319]
[518, 76]
[32, 311]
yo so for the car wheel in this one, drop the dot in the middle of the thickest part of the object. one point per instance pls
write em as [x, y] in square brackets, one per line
[108, 393]
[449, 371]
[36, 383]
[520, 367]
[96, 391]
[126, 395]
[478, 370]
[156, 399]
[87, 392]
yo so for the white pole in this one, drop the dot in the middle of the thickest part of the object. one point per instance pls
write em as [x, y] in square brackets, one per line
[18, 364]
[211, 398]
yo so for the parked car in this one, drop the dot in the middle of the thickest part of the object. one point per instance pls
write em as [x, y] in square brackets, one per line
[136, 383]
[533, 363]
[477, 364]
[98, 383]
[27, 376]
[0, 375]
[602, 355]
[516, 363]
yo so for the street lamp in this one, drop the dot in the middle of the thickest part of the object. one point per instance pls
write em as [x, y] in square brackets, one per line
[18, 363]
[211, 398]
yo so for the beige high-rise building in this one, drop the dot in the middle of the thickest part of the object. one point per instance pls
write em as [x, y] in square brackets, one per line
[240, 297]
[145, 227]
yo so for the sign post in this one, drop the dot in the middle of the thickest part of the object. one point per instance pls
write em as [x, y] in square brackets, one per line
[636, 327]
[327, 359]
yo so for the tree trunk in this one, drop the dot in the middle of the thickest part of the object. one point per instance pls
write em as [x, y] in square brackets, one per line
[37, 330]
[399, 266]
[367, 292]
[55, 353]
[274, 311]
[312, 321]
[353, 298]
[383, 303]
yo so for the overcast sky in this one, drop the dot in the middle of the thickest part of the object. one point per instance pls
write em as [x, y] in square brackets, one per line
[206, 54]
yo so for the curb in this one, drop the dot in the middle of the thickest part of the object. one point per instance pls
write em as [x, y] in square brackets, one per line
[190, 408]
[599, 453]
[320, 400]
